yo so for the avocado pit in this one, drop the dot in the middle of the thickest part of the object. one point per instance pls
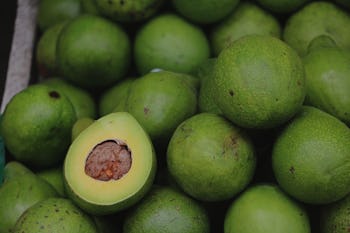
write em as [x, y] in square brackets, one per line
[110, 159]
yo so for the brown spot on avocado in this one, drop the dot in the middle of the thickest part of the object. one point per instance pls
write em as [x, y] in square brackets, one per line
[231, 93]
[292, 169]
[54, 94]
[146, 110]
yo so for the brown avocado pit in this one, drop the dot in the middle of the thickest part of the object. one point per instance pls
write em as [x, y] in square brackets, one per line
[110, 159]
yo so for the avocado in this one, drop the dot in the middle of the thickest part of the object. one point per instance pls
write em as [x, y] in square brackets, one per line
[327, 69]
[36, 126]
[54, 176]
[335, 217]
[110, 165]
[259, 82]
[165, 210]
[93, 52]
[265, 208]
[210, 158]
[282, 6]
[315, 19]
[46, 50]
[128, 11]
[160, 101]
[55, 215]
[89, 7]
[82, 100]
[311, 157]
[18, 194]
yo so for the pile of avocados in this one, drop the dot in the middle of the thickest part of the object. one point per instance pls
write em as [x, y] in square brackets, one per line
[201, 116]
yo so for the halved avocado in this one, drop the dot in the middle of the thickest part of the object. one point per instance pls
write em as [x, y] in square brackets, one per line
[110, 165]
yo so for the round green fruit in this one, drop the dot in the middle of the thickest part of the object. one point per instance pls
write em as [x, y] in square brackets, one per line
[51, 12]
[259, 82]
[128, 11]
[90, 7]
[37, 124]
[204, 11]
[110, 165]
[55, 215]
[160, 101]
[335, 217]
[165, 210]
[327, 69]
[315, 19]
[54, 176]
[246, 19]
[265, 208]
[80, 125]
[311, 157]
[169, 42]
[46, 50]
[18, 194]
[209, 158]
[14, 169]
[93, 52]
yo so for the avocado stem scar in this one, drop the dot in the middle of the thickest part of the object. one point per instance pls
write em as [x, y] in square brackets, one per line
[110, 159]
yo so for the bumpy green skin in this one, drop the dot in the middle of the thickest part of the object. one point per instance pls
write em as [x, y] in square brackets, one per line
[246, 19]
[55, 215]
[205, 74]
[165, 210]
[18, 194]
[54, 176]
[311, 157]
[51, 12]
[36, 125]
[209, 158]
[327, 80]
[128, 11]
[265, 208]
[14, 169]
[160, 101]
[259, 82]
[82, 101]
[335, 217]
[317, 18]
[204, 11]
[282, 6]
[170, 43]
[46, 50]
[89, 7]
[92, 52]
[111, 97]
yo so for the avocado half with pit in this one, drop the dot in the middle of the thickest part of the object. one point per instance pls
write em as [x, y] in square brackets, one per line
[110, 165]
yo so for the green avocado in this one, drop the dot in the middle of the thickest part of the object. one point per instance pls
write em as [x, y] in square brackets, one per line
[315, 19]
[18, 194]
[282, 6]
[36, 125]
[265, 208]
[165, 210]
[311, 157]
[110, 165]
[210, 159]
[14, 169]
[55, 215]
[89, 7]
[160, 101]
[93, 52]
[80, 125]
[327, 70]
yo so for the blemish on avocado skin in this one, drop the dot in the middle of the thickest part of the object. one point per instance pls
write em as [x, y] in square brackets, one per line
[231, 93]
[292, 169]
[54, 94]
